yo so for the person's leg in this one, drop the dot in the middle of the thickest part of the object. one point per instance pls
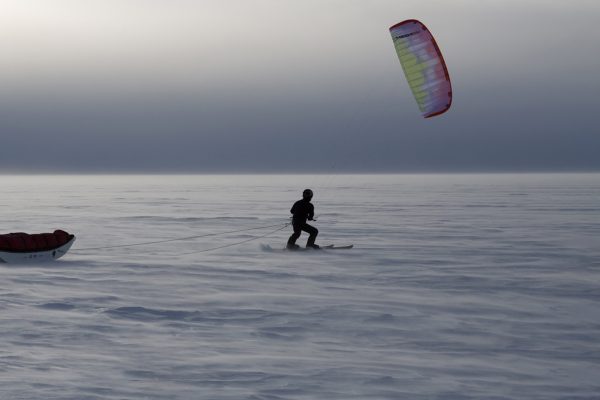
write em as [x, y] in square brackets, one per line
[313, 232]
[292, 240]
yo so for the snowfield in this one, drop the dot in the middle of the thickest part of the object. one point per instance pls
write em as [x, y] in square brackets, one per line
[458, 287]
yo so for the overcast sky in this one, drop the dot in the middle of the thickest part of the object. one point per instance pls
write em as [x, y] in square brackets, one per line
[294, 86]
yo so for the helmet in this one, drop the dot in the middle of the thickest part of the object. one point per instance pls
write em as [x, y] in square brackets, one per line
[307, 194]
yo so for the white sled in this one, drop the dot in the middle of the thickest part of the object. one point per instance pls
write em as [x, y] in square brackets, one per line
[20, 257]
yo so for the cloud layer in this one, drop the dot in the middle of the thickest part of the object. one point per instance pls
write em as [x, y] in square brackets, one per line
[275, 86]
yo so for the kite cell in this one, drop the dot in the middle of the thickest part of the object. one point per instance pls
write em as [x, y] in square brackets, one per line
[423, 66]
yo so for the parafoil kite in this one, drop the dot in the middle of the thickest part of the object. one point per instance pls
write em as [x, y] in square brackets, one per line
[423, 66]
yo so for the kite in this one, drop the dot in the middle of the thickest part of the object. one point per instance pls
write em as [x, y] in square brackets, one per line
[423, 66]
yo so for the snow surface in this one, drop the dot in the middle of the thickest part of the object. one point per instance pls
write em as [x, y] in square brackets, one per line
[459, 287]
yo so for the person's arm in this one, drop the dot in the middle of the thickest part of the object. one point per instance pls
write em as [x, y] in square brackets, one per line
[311, 212]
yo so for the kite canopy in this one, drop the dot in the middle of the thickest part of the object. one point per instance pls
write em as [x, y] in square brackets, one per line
[423, 66]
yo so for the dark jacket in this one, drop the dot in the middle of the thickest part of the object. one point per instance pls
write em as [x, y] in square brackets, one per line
[302, 210]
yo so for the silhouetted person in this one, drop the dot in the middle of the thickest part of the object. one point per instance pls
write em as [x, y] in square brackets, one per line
[303, 210]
